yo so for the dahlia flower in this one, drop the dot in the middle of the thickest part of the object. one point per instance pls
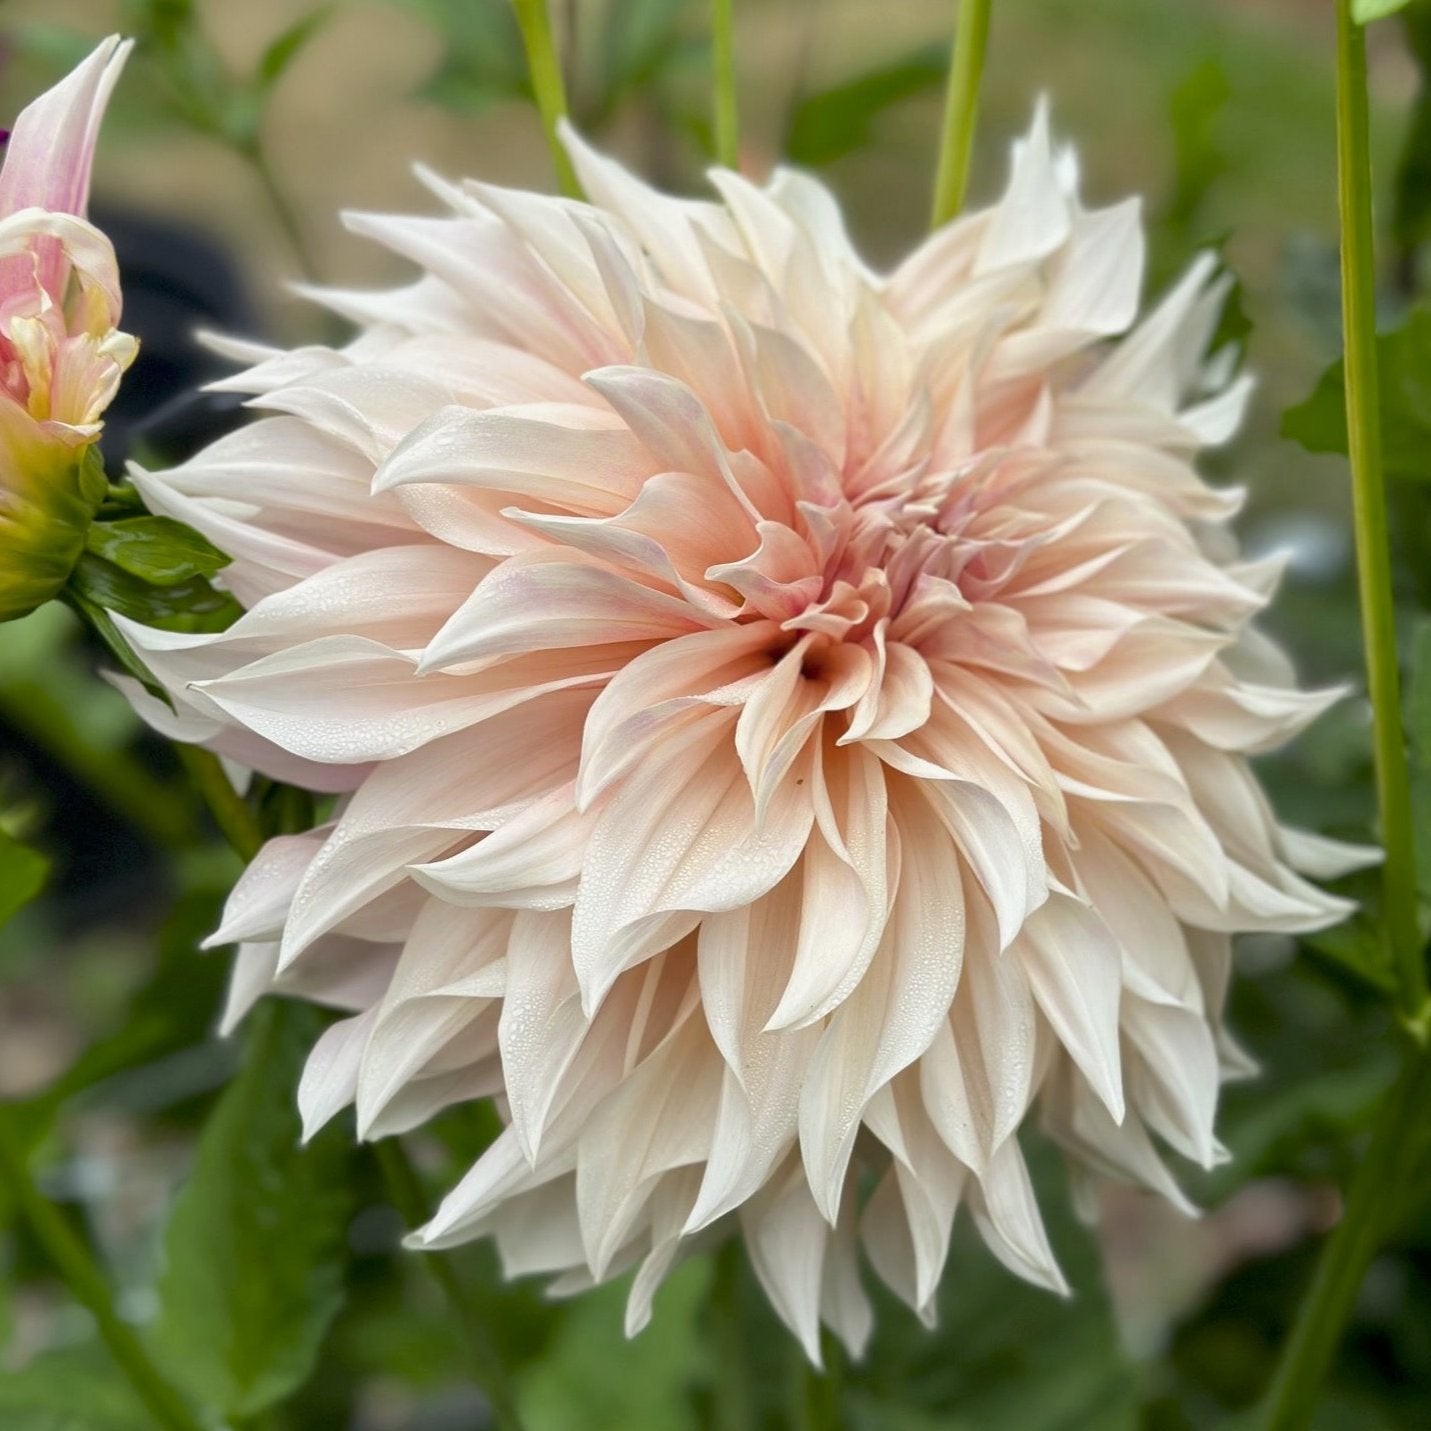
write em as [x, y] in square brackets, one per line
[789, 721]
[61, 356]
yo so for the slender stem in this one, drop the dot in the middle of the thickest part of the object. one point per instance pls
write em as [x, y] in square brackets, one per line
[405, 1188]
[1398, 1138]
[1374, 1202]
[548, 86]
[961, 108]
[235, 820]
[727, 116]
[733, 1407]
[70, 1258]
[1369, 502]
[283, 210]
[821, 1408]
[114, 775]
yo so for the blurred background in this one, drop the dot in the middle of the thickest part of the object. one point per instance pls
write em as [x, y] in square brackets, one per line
[237, 136]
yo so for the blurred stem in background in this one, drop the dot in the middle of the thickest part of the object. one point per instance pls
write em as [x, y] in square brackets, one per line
[547, 86]
[283, 209]
[405, 1189]
[236, 822]
[72, 1261]
[733, 1402]
[1399, 1134]
[727, 122]
[115, 775]
[961, 104]
[1374, 1206]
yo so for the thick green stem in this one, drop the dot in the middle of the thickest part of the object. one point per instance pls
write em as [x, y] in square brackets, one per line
[71, 1260]
[1374, 1204]
[1373, 549]
[548, 86]
[727, 120]
[734, 1410]
[405, 1188]
[961, 108]
[236, 822]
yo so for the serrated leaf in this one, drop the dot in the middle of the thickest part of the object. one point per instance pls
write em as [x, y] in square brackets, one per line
[189, 605]
[1365, 11]
[22, 874]
[1404, 362]
[255, 1249]
[836, 121]
[286, 48]
[158, 550]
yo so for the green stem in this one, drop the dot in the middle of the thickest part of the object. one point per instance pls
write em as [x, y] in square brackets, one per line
[1369, 501]
[821, 1401]
[283, 210]
[548, 86]
[69, 1257]
[1373, 1206]
[236, 822]
[733, 1407]
[1398, 1137]
[113, 774]
[727, 120]
[961, 107]
[405, 1188]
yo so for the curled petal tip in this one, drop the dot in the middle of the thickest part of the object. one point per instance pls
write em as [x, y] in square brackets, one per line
[51, 147]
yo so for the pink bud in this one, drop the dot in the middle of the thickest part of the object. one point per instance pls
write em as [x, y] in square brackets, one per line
[47, 162]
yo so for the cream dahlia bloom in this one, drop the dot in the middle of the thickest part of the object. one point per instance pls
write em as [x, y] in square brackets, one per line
[61, 354]
[790, 721]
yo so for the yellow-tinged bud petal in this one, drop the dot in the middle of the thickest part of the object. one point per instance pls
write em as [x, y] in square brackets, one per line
[49, 494]
[61, 351]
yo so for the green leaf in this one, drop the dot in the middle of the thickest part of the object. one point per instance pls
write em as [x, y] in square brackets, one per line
[590, 1375]
[255, 1249]
[836, 121]
[286, 48]
[99, 621]
[188, 605]
[1411, 207]
[72, 1390]
[1404, 361]
[638, 38]
[1418, 695]
[1358, 944]
[1418, 727]
[483, 61]
[1199, 158]
[1365, 11]
[22, 874]
[158, 550]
